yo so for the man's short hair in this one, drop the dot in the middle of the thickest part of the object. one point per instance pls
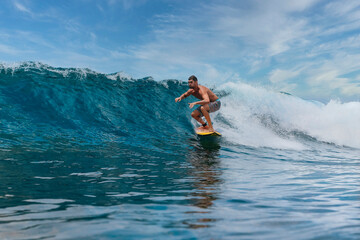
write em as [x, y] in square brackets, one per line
[192, 77]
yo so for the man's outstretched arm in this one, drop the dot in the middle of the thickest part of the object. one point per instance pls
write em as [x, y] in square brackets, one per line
[185, 95]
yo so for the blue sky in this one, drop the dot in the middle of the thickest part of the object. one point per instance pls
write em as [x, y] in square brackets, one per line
[309, 48]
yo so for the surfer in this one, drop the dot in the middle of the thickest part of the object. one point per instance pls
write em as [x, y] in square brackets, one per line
[208, 100]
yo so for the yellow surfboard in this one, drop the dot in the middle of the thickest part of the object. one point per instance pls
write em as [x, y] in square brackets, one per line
[199, 133]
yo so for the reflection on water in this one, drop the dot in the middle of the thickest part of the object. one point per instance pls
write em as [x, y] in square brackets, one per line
[204, 159]
[206, 190]
[44, 188]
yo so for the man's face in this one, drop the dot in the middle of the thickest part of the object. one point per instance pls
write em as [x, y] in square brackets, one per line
[192, 84]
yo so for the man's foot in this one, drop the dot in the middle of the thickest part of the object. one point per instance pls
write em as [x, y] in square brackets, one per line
[205, 129]
[202, 128]
[210, 130]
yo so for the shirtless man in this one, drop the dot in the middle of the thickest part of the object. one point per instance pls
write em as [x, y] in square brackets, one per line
[209, 103]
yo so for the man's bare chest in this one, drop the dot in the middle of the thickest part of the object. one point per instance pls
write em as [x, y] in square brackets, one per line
[197, 95]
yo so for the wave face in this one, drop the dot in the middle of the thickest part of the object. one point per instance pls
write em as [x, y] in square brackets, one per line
[40, 104]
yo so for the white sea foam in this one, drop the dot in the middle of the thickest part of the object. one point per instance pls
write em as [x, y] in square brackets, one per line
[259, 117]
[119, 76]
[27, 66]
[65, 72]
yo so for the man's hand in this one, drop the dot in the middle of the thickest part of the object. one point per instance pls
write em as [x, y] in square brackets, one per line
[178, 99]
[191, 105]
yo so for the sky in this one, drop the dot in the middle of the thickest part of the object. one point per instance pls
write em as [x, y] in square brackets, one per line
[309, 48]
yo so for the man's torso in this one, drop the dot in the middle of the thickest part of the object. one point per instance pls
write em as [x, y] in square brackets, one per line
[203, 89]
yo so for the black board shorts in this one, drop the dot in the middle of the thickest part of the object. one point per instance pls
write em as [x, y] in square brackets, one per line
[214, 106]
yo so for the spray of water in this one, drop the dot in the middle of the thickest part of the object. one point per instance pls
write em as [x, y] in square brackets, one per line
[259, 117]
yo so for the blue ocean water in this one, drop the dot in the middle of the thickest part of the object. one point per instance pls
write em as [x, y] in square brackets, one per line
[85, 155]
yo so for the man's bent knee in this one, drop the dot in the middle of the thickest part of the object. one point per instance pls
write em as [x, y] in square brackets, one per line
[204, 108]
[195, 114]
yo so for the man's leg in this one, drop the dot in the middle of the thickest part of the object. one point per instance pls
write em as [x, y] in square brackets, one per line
[205, 111]
[196, 115]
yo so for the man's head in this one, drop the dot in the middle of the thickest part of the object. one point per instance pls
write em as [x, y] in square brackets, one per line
[192, 82]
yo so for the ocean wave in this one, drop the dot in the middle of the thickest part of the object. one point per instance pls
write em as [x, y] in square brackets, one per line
[44, 104]
[41, 102]
[262, 117]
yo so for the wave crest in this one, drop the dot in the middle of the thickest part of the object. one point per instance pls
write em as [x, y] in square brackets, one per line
[261, 117]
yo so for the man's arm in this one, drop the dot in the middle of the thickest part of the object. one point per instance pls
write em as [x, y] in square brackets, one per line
[185, 95]
[205, 97]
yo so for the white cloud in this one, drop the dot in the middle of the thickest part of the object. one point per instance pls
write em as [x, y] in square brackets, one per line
[269, 23]
[33, 39]
[230, 31]
[328, 76]
[30, 43]
[350, 90]
[21, 7]
[127, 4]
[221, 33]
[294, 44]
[343, 8]
[279, 75]
[204, 40]
[9, 50]
[350, 42]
